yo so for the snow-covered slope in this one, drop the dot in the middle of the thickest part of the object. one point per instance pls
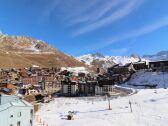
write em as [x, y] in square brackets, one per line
[149, 108]
[149, 78]
[107, 60]
[162, 55]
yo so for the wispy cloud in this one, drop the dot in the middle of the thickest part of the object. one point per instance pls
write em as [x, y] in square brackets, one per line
[99, 13]
[68, 9]
[116, 15]
[163, 22]
[48, 10]
[88, 15]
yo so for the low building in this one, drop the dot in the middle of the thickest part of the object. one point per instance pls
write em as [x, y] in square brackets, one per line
[159, 65]
[140, 65]
[104, 86]
[7, 88]
[121, 74]
[32, 80]
[126, 69]
[15, 111]
[103, 90]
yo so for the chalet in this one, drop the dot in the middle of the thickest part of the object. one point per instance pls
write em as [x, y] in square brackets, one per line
[34, 80]
[13, 77]
[140, 65]
[4, 77]
[15, 111]
[121, 73]
[7, 88]
[3, 85]
[159, 65]
[65, 73]
[23, 73]
[126, 69]
[118, 78]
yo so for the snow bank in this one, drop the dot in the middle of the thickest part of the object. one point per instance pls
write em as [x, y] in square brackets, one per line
[149, 78]
[35, 66]
[130, 91]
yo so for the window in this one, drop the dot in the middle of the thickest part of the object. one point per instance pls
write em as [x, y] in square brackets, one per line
[31, 123]
[31, 113]
[18, 123]
[11, 116]
[19, 114]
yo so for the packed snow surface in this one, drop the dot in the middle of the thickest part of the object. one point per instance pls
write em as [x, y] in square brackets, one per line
[149, 108]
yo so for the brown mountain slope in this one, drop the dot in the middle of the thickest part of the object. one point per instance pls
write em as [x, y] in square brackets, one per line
[20, 51]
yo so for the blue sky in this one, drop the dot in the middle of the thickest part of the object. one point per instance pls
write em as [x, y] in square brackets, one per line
[77, 27]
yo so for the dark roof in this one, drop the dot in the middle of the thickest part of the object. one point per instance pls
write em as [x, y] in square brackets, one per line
[6, 90]
[158, 61]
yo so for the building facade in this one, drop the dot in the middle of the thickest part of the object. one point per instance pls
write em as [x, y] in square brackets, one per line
[15, 111]
[69, 88]
[159, 65]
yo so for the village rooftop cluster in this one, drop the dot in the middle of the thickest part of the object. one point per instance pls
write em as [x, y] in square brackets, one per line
[35, 84]
[35, 80]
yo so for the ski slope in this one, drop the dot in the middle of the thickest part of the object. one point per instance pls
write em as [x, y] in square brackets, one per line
[149, 108]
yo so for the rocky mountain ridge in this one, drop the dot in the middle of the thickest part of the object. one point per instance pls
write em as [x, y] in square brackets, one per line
[24, 51]
[100, 60]
[162, 55]
[24, 44]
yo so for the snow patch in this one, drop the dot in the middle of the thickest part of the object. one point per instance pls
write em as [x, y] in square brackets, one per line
[76, 70]
[121, 60]
[149, 78]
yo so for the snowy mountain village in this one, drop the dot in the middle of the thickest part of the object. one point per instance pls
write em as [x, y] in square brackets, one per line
[36, 96]
[83, 62]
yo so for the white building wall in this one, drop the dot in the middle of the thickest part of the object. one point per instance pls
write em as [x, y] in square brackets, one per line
[10, 111]
[98, 90]
[103, 90]
[11, 116]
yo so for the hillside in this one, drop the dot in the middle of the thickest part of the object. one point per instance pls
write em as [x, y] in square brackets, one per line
[24, 51]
